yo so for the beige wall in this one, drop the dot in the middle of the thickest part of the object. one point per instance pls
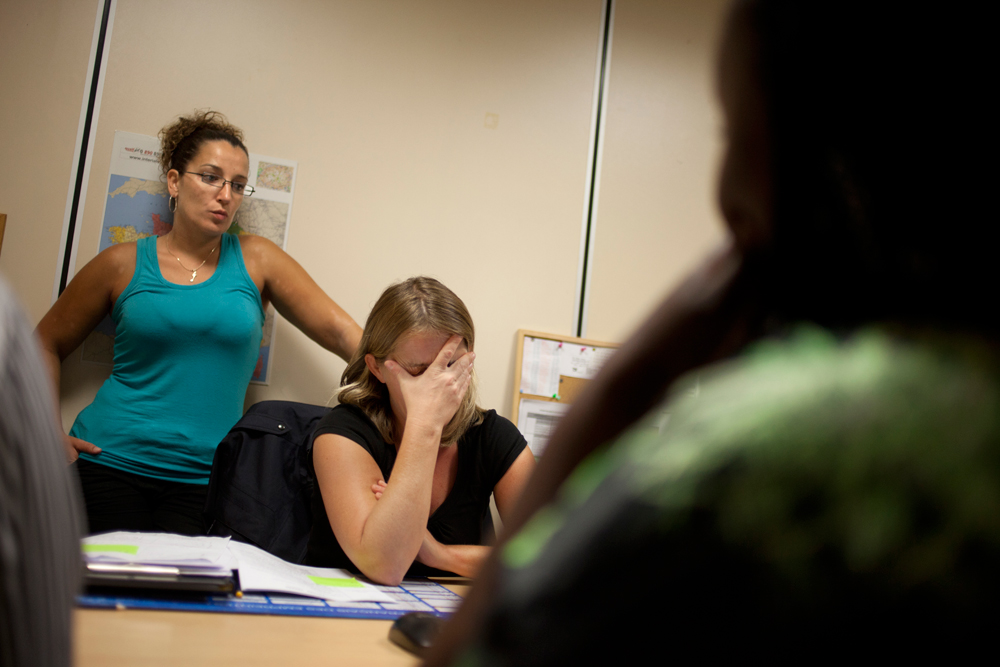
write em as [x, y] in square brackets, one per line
[43, 70]
[383, 104]
[657, 215]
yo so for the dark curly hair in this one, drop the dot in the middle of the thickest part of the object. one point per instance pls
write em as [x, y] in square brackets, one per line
[181, 140]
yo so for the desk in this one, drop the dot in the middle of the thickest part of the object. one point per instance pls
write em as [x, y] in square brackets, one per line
[106, 638]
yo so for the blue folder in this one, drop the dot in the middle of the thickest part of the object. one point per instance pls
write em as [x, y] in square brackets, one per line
[412, 595]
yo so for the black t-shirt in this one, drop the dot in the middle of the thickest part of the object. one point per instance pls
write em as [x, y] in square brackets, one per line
[485, 453]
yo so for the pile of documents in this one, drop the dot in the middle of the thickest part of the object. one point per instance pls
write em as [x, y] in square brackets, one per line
[209, 564]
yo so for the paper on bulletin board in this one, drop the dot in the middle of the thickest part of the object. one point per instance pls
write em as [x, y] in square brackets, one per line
[540, 367]
[537, 420]
[582, 361]
[136, 208]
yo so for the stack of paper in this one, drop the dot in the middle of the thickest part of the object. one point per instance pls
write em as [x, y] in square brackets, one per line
[259, 571]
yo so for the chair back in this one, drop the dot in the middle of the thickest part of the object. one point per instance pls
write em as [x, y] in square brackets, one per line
[261, 487]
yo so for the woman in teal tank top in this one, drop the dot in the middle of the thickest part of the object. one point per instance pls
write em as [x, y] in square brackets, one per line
[188, 308]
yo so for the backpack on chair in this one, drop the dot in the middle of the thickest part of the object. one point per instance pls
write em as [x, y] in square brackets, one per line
[260, 488]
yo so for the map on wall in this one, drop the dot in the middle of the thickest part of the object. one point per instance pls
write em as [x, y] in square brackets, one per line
[136, 208]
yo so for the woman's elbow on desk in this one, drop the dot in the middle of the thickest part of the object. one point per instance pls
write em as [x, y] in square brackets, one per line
[381, 570]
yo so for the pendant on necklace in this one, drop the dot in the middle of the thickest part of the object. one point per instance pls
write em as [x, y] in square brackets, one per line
[194, 274]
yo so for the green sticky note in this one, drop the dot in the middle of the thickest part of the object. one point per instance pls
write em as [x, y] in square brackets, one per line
[336, 581]
[117, 548]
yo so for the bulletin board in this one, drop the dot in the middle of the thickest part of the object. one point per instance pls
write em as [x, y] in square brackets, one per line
[549, 373]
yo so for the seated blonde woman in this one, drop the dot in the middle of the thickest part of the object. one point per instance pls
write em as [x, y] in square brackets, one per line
[405, 465]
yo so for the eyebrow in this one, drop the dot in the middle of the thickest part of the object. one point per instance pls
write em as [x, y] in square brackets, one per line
[219, 169]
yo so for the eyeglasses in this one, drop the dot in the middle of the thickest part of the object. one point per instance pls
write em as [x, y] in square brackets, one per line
[217, 181]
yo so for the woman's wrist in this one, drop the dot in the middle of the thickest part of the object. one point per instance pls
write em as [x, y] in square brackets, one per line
[423, 429]
[462, 559]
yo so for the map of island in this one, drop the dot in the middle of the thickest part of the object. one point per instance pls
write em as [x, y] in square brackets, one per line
[275, 176]
[134, 186]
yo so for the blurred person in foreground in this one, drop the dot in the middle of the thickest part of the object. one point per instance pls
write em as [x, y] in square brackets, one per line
[835, 478]
[40, 514]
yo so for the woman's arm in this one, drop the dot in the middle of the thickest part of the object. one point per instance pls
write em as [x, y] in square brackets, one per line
[86, 300]
[508, 490]
[380, 536]
[466, 559]
[298, 298]
[383, 536]
[462, 559]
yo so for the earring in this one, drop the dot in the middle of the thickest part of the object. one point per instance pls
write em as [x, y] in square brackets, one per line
[172, 204]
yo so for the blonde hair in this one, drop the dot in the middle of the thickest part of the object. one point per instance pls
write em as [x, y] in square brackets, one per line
[416, 305]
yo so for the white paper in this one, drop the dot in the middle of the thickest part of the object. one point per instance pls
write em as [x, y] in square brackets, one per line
[158, 549]
[259, 570]
[537, 420]
[540, 367]
[583, 361]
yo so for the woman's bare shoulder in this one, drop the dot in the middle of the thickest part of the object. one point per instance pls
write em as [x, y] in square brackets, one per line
[257, 244]
[109, 267]
[120, 255]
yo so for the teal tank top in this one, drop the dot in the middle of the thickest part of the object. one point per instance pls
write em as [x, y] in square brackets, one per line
[183, 359]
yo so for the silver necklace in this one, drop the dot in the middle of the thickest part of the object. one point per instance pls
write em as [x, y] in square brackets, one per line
[194, 272]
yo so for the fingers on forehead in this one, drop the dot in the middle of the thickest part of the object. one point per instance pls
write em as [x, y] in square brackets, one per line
[451, 345]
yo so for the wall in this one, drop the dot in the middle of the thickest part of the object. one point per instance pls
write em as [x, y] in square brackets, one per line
[657, 215]
[43, 71]
[384, 105]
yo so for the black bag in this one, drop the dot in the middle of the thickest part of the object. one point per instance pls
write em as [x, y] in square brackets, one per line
[261, 488]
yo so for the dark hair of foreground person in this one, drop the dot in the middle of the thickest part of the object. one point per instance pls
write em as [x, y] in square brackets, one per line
[837, 477]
